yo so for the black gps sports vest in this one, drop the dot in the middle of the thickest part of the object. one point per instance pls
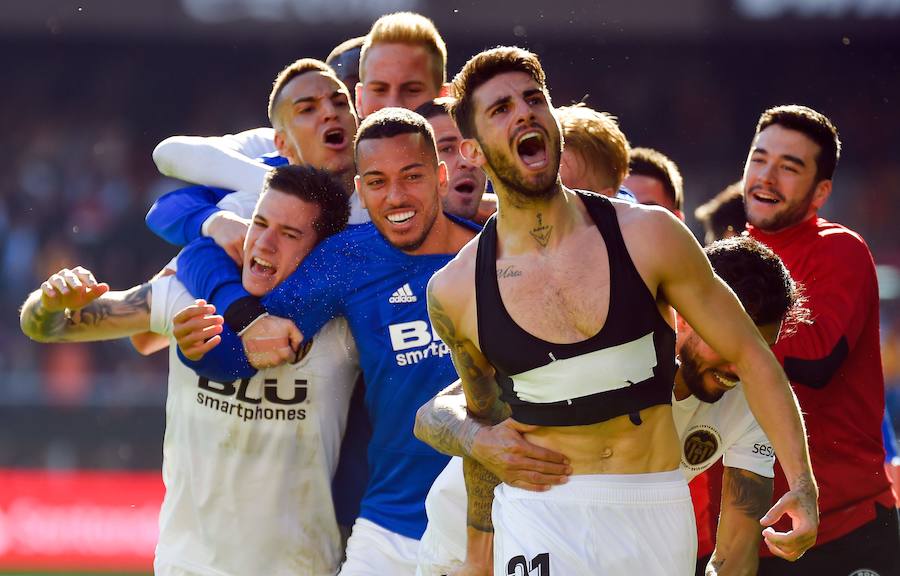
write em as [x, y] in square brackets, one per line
[629, 365]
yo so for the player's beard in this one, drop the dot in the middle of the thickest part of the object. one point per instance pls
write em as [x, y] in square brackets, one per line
[427, 224]
[791, 214]
[509, 176]
[693, 377]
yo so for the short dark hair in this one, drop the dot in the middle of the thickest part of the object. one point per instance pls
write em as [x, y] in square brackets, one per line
[655, 164]
[760, 280]
[316, 187]
[723, 213]
[481, 68]
[291, 71]
[436, 107]
[814, 125]
[390, 122]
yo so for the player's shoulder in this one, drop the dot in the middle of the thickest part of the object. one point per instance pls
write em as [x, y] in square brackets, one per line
[836, 236]
[454, 283]
[351, 240]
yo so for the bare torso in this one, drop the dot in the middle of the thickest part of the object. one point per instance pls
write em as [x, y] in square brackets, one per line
[563, 296]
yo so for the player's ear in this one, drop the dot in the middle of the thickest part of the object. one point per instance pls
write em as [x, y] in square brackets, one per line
[281, 144]
[470, 149]
[359, 99]
[443, 179]
[357, 183]
[821, 193]
[445, 90]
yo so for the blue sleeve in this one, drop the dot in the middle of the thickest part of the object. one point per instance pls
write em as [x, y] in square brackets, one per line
[177, 217]
[208, 272]
[315, 292]
[224, 363]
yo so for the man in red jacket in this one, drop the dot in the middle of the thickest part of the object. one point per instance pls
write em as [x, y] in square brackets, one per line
[834, 362]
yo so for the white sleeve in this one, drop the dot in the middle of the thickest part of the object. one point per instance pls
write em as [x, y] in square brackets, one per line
[241, 203]
[220, 161]
[168, 298]
[252, 143]
[750, 449]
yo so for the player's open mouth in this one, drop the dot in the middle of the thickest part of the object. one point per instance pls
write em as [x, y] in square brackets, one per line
[532, 149]
[400, 217]
[726, 381]
[765, 197]
[466, 186]
[262, 267]
[335, 138]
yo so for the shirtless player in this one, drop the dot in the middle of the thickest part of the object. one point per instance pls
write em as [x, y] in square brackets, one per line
[574, 340]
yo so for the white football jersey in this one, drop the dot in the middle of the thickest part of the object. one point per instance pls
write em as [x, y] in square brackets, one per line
[248, 464]
[707, 431]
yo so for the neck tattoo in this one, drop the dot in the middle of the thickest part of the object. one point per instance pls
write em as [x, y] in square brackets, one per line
[541, 232]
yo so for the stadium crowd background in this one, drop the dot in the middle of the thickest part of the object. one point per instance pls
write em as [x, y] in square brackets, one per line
[85, 102]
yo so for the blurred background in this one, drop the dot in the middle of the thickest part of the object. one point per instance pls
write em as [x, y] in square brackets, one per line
[89, 88]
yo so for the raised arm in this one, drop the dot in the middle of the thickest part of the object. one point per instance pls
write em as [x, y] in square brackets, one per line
[220, 161]
[178, 216]
[746, 496]
[71, 306]
[686, 280]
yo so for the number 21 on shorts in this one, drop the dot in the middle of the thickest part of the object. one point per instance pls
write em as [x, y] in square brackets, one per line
[539, 565]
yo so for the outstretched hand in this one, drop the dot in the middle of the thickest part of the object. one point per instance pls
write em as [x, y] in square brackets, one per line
[800, 505]
[71, 289]
[503, 450]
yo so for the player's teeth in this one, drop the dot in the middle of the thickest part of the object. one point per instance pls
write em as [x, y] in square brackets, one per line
[725, 381]
[400, 217]
[262, 262]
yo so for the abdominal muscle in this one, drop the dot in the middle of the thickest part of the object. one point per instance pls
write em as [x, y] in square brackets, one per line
[616, 446]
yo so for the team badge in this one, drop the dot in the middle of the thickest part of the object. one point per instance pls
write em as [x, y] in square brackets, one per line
[700, 445]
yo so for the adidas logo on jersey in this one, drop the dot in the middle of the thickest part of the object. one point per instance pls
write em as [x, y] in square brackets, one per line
[403, 295]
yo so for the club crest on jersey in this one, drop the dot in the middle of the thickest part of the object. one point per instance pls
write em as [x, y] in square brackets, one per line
[864, 572]
[403, 295]
[700, 445]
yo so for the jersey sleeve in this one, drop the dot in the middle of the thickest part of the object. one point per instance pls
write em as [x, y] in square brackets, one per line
[177, 217]
[839, 290]
[226, 362]
[752, 451]
[222, 161]
[315, 292]
[168, 297]
[208, 272]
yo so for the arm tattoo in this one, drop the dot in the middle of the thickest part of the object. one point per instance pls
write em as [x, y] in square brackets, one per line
[109, 311]
[541, 232]
[748, 492]
[38, 322]
[480, 486]
[481, 389]
[113, 315]
[443, 425]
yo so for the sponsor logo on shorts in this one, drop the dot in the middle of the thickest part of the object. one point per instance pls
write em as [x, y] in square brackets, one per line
[700, 445]
[415, 341]
[403, 295]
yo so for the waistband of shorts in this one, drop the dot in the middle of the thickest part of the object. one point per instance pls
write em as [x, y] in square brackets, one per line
[651, 488]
